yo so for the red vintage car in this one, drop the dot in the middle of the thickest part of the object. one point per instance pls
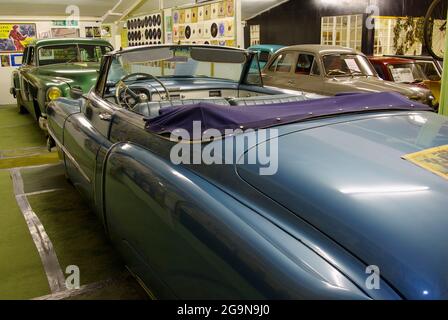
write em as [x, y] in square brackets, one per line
[408, 71]
[398, 70]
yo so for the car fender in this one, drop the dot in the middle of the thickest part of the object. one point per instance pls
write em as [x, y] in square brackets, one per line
[40, 85]
[58, 113]
[149, 204]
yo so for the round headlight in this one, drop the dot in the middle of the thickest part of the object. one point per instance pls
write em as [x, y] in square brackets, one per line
[54, 93]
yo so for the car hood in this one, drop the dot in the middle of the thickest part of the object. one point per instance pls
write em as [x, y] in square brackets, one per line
[350, 181]
[83, 75]
[373, 84]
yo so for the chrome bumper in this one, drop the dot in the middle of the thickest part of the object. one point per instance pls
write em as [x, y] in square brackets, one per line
[43, 123]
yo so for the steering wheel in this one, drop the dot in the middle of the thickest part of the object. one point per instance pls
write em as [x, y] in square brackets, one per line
[121, 86]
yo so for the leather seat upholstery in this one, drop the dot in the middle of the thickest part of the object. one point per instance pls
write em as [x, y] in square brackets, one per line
[152, 109]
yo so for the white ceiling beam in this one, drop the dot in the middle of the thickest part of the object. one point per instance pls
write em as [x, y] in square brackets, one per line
[46, 18]
[114, 16]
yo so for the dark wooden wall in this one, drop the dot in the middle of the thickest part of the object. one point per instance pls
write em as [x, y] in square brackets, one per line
[299, 21]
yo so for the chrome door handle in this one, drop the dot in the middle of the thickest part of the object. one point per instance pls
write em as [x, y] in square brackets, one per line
[105, 116]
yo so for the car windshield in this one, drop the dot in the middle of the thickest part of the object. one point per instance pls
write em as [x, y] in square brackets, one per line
[263, 58]
[180, 61]
[430, 70]
[407, 73]
[347, 65]
[71, 53]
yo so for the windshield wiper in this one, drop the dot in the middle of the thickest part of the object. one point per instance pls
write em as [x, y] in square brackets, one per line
[337, 72]
[356, 72]
[66, 62]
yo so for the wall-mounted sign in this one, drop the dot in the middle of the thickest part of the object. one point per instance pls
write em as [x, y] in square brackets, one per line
[14, 37]
[65, 23]
[16, 60]
[93, 32]
[65, 32]
[106, 31]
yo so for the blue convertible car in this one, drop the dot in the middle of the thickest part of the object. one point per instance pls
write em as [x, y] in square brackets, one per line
[214, 187]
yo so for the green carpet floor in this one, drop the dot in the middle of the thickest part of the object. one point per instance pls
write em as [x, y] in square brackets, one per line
[18, 131]
[76, 233]
[18, 162]
[21, 272]
[77, 236]
[22, 142]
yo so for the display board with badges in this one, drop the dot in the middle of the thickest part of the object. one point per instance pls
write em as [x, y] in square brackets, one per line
[210, 23]
[144, 30]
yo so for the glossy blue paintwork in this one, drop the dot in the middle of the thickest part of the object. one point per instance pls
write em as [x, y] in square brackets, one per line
[202, 243]
[352, 184]
[308, 232]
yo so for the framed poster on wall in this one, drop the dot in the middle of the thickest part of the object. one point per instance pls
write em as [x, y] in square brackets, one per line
[106, 31]
[15, 36]
[93, 32]
[5, 60]
[65, 32]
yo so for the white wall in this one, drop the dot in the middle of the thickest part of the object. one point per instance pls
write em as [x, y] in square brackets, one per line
[5, 84]
[42, 25]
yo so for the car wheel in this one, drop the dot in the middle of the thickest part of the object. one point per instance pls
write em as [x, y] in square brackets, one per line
[22, 109]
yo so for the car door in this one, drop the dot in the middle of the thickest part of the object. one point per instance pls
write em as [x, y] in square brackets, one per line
[307, 74]
[279, 72]
[29, 63]
[85, 134]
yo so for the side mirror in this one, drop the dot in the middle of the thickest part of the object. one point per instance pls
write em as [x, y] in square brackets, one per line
[76, 93]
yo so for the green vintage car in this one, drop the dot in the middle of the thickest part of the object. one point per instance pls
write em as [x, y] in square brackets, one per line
[54, 68]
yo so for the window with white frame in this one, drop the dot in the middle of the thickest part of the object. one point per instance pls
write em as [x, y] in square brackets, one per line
[343, 31]
[254, 35]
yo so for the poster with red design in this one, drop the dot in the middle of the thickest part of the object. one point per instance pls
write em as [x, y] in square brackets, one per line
[15, 36]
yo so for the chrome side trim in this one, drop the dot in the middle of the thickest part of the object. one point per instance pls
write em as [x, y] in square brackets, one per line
[69, 156]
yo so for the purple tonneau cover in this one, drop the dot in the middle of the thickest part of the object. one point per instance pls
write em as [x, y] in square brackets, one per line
[221, 118]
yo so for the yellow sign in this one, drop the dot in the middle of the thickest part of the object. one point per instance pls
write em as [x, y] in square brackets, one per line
[434, 160]
[124, 38]
[14, 37]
